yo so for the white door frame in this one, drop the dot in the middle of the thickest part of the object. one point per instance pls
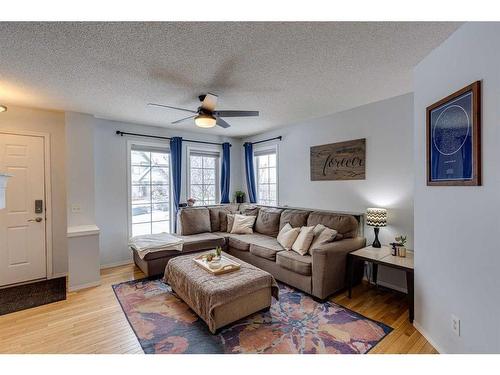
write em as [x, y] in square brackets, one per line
[48, 192]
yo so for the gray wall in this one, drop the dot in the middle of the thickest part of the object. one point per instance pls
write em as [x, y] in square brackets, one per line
[388, 128]
[98, 169]
[457, 254]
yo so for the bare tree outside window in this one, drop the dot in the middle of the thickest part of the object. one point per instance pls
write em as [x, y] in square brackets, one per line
[203, 179]
[150, 192]
[267, 175]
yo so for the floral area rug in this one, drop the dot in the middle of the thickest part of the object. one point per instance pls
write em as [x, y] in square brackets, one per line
[163, 323]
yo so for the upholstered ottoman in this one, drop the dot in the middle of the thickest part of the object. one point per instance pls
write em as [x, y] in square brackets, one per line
[221, 299]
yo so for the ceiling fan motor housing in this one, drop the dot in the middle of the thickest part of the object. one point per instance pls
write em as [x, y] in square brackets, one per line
[203, 111]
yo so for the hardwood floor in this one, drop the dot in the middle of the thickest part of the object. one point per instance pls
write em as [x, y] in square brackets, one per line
[91, 321]
[390, 308]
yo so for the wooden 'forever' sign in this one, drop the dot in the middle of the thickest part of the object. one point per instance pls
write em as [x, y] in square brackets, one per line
[339, 161]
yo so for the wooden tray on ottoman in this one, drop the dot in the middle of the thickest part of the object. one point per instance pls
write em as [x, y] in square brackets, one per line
[227, 265]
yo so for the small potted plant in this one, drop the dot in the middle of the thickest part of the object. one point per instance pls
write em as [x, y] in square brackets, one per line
[214, 259]
[191, 202]
[218, 252]
[400, 244]
[240, 196]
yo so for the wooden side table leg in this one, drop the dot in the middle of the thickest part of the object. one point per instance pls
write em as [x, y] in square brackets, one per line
[350, 274]
[411, 302]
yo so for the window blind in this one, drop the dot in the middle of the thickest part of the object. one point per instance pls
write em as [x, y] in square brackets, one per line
[204, 153]
[265, 152]
[146, 148]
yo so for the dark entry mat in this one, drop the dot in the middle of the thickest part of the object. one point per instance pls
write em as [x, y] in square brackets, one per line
[25, 296]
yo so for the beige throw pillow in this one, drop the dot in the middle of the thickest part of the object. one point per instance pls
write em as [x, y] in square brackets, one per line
[287, 236]
[304, 240]
[318, 229]
[243, 224]
[230, 221]
[322, 235]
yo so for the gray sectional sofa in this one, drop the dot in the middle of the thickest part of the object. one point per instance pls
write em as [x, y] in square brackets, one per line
[319, 274]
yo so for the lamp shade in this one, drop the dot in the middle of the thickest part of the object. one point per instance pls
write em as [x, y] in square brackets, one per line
[376, 217]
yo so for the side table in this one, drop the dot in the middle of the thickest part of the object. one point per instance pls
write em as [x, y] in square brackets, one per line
[383, 257]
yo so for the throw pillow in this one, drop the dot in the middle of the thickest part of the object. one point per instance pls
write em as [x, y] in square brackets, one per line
[304, 240]
[287, 236]
[268, 221]
[251, 211]
[318, 229]
[223, 221]
[215, 217]
[325, 235]
[243, 224]
[230, 222]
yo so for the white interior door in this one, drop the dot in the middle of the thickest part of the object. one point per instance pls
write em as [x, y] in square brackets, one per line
[22, 231]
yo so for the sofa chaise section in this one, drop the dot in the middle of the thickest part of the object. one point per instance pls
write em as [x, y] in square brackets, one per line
[154, 263]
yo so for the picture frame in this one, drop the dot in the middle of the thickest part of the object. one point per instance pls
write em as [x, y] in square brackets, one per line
[339, 161]
[454, 139]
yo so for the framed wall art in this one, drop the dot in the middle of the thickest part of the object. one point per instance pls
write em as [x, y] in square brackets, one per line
[339, 161]
[454, 139]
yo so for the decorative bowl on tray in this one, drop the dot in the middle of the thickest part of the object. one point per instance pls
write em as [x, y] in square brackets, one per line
[215, 263]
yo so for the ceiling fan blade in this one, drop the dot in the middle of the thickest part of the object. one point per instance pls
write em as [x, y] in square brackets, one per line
[169, 106]
[183, 119]
[235, 113]
[209, 102]
[222, 123]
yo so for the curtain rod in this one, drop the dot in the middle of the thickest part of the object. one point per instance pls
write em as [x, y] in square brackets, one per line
[267, 140]
[120, 133]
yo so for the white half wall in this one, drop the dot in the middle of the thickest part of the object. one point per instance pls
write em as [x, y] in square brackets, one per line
[457, 254]
[388, 128]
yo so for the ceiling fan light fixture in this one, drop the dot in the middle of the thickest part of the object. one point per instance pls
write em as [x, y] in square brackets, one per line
[205, 121]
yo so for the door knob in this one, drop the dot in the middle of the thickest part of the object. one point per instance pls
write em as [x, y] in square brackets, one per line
[38, 219]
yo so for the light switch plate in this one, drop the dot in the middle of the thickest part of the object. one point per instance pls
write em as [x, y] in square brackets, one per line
[455, 324]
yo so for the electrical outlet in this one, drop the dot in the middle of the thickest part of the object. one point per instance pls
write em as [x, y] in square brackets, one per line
[455, 324]
[76, 208]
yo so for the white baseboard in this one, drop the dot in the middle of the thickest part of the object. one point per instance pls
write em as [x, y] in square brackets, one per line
[84, 286]
[387, 285]
[428, 337]
[117, 264]
[381, 282]
[392, 286]
[57, 275]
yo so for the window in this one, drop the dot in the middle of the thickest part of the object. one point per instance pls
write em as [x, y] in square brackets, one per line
[204, 177]
[267, 177]
[149, 190]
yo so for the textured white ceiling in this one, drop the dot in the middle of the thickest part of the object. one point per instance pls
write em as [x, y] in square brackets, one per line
[287, 71]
